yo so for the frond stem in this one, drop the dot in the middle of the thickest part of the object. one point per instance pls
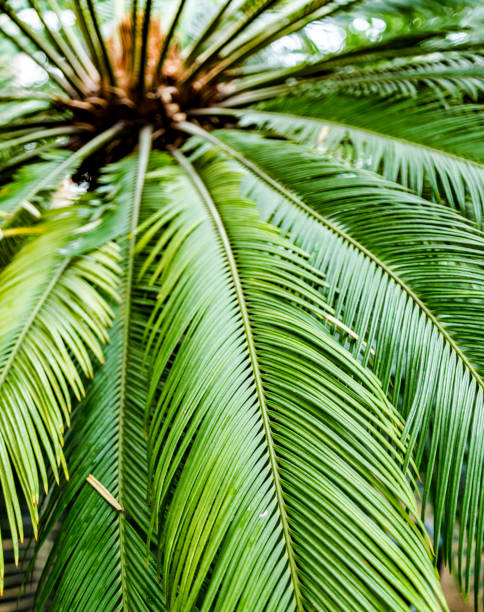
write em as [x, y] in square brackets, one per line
[63, 48]
[29, 322]
[247, 93]
[23, 157]
[88, 38]
[56, 78]
[105, 54]
[27, 125]
[134, 34]
[210, 27]
[144, 44]
[84, 152]
[239, 113]
[282, 27]
[32, 136]
[209, 55]
[143, 158]
[50, 53]
[73, 43]
[386, 49]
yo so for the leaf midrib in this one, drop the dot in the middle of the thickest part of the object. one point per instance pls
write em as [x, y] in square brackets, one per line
[144, 152]
[213, 213]
[388, 137]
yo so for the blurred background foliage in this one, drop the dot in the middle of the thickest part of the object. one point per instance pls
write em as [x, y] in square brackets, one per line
[368, 21]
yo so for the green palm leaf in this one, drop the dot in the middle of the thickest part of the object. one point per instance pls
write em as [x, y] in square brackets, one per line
[430, 149]
[44, 341]
[455, 75]
[33, 183]
[98, 560]
[107, 443]
[258, 407]
[386, 266]
[427, 50]
[268, 391]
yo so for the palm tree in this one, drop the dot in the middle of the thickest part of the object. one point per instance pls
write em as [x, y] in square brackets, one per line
[270, 264]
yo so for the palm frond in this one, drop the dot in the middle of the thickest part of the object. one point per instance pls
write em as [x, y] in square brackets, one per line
[104, 53]
[40, 44]
[258, 407]
[62, 84]
[451, 74]
[430, 149]
[89, 38]
[454, 76]
[12, 140]
[47, 335]
[270, 393]
[22, 191]
[425, 7]
[73, 41]
[99, 558]
[387, 257]
[204, 35]
[100, 545]
[62, 47]
[268, 33]
[21, 107]
[167, 39]
[246, 13]
[295, 20]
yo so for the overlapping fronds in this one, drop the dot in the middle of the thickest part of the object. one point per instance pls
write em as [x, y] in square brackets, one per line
[262, 408]
[99, 557]
[454, 75]
[31, 184]
[404, 274]
[47, 339]
[259, 407]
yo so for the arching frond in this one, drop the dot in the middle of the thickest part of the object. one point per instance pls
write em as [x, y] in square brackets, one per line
[102, 546]
[31, 184]
[282, 25]
[388, 256]
[455, 75]
[430, 149]
[16, 109]
[48, 335]
[258, 407]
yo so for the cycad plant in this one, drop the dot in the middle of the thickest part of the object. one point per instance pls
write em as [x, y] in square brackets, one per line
[270, 263]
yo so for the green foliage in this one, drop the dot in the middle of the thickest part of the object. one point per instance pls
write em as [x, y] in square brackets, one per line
[372, 273]
[106, 441]
[433, 150]
[263, 406]
[45, 339]
[292, 308]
